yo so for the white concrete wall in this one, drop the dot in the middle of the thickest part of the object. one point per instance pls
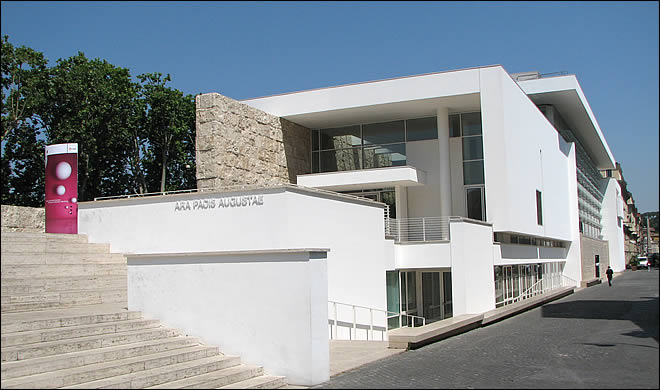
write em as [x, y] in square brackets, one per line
[423, 255]
[473, 283]
[522, 154]
[288, 218]
[269, 309]
[612, 213]
[424, 201]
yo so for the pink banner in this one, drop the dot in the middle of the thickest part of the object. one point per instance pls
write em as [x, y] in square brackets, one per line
[62, 188]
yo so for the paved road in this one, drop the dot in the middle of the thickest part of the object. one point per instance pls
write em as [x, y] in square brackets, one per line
[599, 337]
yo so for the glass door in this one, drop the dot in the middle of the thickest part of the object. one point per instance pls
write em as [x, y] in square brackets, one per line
[431, 296]
[408, 295]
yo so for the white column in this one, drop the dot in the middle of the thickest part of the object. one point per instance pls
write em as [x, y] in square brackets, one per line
[401, 197]
[445, 171]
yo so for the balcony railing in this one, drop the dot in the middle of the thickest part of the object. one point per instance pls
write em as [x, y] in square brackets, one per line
[418, 229]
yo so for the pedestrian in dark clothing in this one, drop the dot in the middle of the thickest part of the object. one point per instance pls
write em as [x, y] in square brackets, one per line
[609, 273]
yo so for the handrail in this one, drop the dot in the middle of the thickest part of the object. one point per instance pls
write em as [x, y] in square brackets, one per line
[547, 284]
[388, 315]
[420, 229]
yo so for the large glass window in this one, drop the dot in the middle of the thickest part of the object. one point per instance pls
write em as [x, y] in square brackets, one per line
[385, 156]
[340, 137]
[393, 301]
[475, 206]
[473, 148]
[473, 172]
[421, 129]
[383, 133]
[370, 145]
[471, 123]
[539, 209]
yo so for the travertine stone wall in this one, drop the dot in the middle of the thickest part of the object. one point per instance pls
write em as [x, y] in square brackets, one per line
[240, 145]
[23, 219]
[590, 248]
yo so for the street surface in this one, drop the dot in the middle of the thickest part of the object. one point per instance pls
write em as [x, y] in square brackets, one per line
[598, 337]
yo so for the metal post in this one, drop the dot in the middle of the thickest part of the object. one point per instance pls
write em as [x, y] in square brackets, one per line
[371, 323]
[354, 324]
[334, 304]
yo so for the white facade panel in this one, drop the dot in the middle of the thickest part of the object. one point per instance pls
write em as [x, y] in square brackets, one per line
[423, 255]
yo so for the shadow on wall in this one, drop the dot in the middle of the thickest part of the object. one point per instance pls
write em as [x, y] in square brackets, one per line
[297, 149]
[643, 313]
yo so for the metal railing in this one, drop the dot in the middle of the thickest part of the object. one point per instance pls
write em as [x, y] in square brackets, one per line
[419, 229]
[542, 286]
[354, 324]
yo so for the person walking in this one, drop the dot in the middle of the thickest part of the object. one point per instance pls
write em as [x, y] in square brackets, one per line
[609, 273]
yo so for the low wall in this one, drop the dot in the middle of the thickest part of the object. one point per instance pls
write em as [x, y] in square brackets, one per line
[268, 307]
[23, 219]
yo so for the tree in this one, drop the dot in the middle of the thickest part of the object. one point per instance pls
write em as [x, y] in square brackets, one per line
[24, 74]
[133, 137]
[92, 102]
[170, 128]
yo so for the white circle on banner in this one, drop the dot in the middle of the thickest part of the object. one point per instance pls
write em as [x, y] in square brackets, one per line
[60, 190]
[63, 170]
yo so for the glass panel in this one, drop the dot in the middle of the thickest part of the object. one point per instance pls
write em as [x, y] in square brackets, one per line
[516, 281]
[389, 198]
[421, 129]
[472, 148]
[471, 123]
[392, 278]
[455, 125]
[411, 297]
[474, 209]
[341, 160]
[446, 289]
[340, 137]
[499, 292]
[473, 172]
[383, 133]
[315, 140]
[539, 210]
[431, 309]
[315, 162]
[385, 156]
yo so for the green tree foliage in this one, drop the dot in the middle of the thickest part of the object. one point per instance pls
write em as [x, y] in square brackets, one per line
[170, 127]
[23, 76]
[133, 137]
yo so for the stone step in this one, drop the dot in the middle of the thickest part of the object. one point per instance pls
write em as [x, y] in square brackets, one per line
[27, 271]
[258, 382]
[34, 286]
[156, 376]
[60, 258]
[50, 319]
[213, 379]
[22, 352]
[50, 246]
[76, 359]
[112, 370]
[62, 299]
[8, 237]
[70, 332]
[84, 297]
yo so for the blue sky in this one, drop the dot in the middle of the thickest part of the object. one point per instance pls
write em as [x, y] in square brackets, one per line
[251, 49]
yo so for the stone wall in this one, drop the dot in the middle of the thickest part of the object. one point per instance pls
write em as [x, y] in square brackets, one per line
[240, 145]
[23, 219]
[590, 248]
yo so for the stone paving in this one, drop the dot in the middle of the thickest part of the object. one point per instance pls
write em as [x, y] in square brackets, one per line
[599, 337]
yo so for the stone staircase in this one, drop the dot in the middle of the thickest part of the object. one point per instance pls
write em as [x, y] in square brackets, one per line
[65, 324]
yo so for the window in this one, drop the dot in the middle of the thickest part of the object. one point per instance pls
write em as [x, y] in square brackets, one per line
[475, 205]
[421, 129]
[539, 208]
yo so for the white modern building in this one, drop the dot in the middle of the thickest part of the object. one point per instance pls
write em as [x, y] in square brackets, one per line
[412, 200]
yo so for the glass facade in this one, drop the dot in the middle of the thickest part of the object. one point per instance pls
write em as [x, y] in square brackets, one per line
[369, 145]
[590, 191]
[519, 281]
[468, 127]
[422, 293]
